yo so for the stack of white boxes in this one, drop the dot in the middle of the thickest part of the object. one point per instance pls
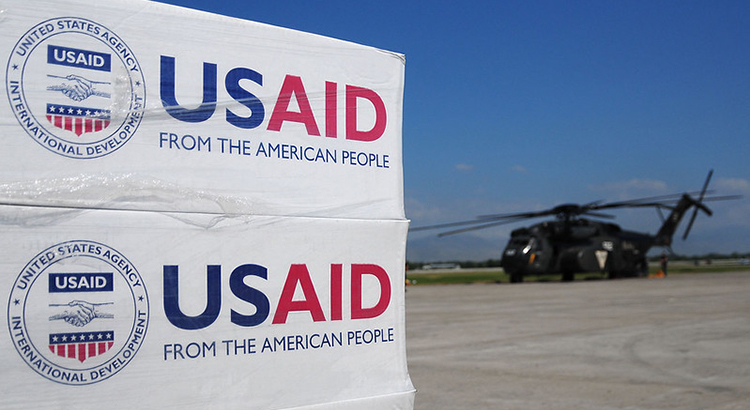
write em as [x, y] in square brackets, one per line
[198, 212]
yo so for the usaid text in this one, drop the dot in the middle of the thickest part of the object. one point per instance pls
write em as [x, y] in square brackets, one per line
[297, 278]
[293, 93]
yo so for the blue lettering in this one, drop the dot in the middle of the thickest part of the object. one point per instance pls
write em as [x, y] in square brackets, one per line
[257, 112]
[250, 295]
[73, 57]
[81, 282]
[172, 304]
[169, 101]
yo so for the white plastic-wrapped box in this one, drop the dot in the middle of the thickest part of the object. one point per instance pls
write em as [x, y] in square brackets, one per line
[154, 310]
[197, 212]
[137, 105]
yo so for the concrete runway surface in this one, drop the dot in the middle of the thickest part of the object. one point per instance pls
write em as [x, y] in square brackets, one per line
[677, 343]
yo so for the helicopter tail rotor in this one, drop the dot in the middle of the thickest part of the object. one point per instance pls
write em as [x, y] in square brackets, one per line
[699, 205]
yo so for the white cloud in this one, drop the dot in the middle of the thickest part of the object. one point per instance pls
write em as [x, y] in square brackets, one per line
[632, 188]
[635, 183]
[733, 186]
[416, 210]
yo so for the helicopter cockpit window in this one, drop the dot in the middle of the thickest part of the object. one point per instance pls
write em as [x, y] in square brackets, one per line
[519, 242]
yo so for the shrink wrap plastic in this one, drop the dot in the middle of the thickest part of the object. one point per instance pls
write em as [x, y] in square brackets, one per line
[198, 212]
[201, 106]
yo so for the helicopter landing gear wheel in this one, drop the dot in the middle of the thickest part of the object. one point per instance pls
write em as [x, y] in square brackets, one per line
[643, 268]
[516, 277]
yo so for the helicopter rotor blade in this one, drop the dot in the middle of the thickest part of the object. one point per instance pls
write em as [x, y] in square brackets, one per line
[598, 215]
[670, 204]
[705, 184]
[593, 205]
[446, 225]
[699, 205]
[644, 201]
[690, 225]
[721, 198]
[480, 220]
[474, 228]
[523, 215]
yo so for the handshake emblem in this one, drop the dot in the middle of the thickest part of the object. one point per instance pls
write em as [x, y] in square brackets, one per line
[79, 313]
[77, 88]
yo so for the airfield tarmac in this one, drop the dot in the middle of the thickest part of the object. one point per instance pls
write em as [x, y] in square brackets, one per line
[677, 343]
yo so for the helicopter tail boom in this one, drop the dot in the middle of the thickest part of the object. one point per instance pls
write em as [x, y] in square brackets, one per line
[667, 230]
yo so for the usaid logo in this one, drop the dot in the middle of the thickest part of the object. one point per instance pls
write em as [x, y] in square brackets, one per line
[75, 87]
[78, 312]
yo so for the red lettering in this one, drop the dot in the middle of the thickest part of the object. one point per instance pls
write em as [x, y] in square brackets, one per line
[298, 274]
[336, 292]
[359, 270]
[331, 109]
[378, 128]
[293, 87]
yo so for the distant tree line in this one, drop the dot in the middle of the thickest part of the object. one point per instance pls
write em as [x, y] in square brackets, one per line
[489, 263]
[708, 256]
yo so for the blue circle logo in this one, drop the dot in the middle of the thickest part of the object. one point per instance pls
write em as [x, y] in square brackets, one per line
[75, 87]
[78, 312]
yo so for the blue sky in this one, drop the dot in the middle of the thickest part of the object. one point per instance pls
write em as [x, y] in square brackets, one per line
[512, 106]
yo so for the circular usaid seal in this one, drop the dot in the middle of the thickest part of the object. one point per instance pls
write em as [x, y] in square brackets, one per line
[78, 312]
[75, 87]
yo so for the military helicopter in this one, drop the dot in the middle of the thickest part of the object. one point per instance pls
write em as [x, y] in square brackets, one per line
[571, 243]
